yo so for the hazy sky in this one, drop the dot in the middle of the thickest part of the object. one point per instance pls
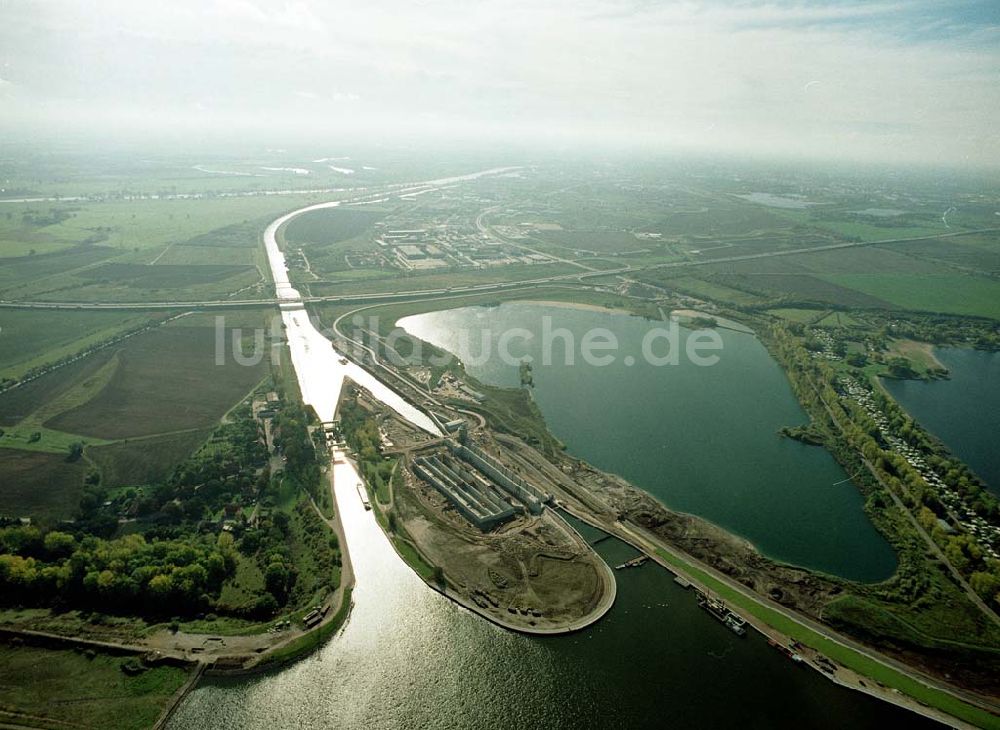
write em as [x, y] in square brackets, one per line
[916, 80]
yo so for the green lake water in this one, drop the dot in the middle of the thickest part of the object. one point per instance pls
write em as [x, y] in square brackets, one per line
[702, 439]
[964, 412]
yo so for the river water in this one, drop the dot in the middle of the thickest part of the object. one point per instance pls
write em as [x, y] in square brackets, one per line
[410, 658]
[964, 412]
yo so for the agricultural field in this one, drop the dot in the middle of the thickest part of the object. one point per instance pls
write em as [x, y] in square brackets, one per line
[129, 412]
[31, 338]
[597, 241]
[850, 225]
[135, 250]
[975, 252]
[43, 485]
[144, 460]
[417, 282]
[321, 228]
[165, 381]
[979, 296]
[18, 404]
[126, 225]
[702, 287]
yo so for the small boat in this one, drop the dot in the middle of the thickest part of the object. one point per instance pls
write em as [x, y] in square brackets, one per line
[722, 613]
[364, 496]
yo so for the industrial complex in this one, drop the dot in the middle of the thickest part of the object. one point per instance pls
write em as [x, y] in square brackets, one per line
[482, 490]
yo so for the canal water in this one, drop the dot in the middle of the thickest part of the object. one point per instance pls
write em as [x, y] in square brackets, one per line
[964, 412]
[410, 658]
[703, 439]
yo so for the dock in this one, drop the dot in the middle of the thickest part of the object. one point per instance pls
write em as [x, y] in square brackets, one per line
[788, 651]
[682, 581]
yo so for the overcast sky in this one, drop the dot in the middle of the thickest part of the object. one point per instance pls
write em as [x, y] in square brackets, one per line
[915, 80]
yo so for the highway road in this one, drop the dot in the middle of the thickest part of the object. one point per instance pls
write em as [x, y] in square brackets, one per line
[414, 294]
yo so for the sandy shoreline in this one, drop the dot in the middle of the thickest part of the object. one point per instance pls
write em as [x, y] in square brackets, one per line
[570, 305]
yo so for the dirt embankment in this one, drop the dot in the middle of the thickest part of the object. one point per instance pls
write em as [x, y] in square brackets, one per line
[788, 585]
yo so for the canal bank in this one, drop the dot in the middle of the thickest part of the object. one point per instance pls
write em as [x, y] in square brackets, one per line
[845, 662]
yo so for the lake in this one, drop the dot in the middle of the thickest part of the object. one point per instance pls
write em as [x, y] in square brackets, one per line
[964, 412]
[703, 439]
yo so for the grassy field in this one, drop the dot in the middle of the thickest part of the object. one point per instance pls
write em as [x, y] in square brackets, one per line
[332, 225]
[144, 460]
[920, 354]
[58, 688]
[167, 380]
[947, 293]
[464, 277]
[43, 440]
[838, 319]
[846, 656]
[804, 316]
[29, 338]
[44, 486]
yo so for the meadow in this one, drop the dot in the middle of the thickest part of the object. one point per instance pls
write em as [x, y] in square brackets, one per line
[948, 293]
[58, 688]
[333, 225]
